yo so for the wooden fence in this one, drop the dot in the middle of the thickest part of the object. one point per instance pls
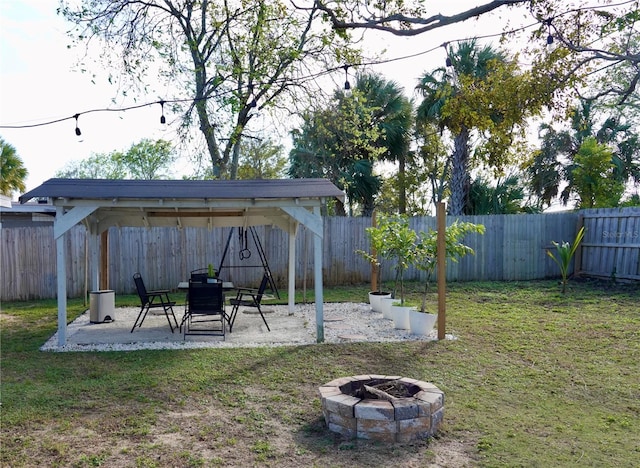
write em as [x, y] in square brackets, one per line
[512, 248]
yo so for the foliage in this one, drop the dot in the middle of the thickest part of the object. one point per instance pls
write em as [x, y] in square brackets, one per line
[12, 170]
[234, 58]
[565, 252]
[593, 178]
[426, 249]
[596, 44]
[341, 143]
[483, 93]
[552, 166]
[261, 159]
[506, 197]
[146, 160]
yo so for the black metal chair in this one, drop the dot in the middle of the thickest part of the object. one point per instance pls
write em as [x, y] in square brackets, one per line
[204, 313]
[156, 299]
[201, 274]
[248, 297]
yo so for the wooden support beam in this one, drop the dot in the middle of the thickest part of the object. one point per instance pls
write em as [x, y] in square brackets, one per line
[442, 272]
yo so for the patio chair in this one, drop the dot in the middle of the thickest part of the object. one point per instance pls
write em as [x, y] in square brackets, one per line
[248, 297]
[204, 313]
[156, 299]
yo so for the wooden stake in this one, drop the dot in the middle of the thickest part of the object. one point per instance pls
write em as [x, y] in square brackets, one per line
[374, 267]
[441, 216]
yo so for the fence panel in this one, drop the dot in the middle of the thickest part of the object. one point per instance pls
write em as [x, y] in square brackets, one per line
[512, 248]
[611, 245]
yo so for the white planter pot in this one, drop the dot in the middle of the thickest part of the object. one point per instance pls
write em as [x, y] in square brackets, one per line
[401, 317]
[374, 300]
[385, 306]
[421, 323]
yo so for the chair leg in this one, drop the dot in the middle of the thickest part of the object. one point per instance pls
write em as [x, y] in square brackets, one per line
[232, 317]
[166, 313]
[263, 319]
[142, 309]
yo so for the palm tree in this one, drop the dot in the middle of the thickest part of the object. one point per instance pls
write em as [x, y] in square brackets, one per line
[12, 171]
[393, 113]
[443, 84]
[554, 163]
[371, 122]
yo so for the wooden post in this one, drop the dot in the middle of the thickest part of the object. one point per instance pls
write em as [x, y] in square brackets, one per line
[374, 267]
[441, 216]
[104, 260]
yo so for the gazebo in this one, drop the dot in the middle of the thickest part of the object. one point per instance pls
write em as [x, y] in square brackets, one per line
[99, 204]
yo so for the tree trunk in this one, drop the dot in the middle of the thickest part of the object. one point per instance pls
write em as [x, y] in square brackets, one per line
[459, 174]
[402, 179]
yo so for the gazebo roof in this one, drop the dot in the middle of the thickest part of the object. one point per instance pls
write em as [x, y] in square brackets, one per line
[187, 203]
[95, 189]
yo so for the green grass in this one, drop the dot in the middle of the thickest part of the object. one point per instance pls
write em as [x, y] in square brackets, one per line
[536, 378]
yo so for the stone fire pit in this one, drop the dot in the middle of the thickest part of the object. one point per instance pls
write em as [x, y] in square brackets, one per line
[400, 409]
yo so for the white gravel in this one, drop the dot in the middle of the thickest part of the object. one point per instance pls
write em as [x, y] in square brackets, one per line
[343, 322]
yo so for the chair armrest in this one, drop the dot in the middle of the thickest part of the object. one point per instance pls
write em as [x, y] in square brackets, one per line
[158, 291]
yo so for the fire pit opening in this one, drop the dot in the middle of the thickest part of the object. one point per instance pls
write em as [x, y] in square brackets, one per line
[382, 408]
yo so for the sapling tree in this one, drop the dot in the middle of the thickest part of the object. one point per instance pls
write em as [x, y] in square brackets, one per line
[426, 249]
[565, 252]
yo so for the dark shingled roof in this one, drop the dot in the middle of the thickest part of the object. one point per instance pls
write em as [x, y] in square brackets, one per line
[184, 189]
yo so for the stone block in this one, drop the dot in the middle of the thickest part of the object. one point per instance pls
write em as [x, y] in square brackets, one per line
[362, 377]
[424, 408]
[436, 420]
[341, 404]
[412, 429]
[374, 409]
[435, 399]
[338, 382]
[384, 437]
[376, 425]
[328, 391]
[348, 423]
[405, 408]
[343, 431]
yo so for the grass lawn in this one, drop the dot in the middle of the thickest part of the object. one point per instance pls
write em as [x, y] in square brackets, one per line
[536, 378]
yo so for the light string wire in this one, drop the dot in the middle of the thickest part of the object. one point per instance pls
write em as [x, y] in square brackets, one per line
[328, 71]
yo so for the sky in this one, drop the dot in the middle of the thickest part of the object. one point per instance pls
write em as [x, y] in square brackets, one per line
[39, 82]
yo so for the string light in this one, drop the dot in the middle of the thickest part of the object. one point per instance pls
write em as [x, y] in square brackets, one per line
[78, 132]
[163, 120]
[347, 85]
[447, 62]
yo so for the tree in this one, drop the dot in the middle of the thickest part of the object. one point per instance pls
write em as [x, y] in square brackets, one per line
[551, 167]
[393, 113]
[339, 143]
[593, 178]
[506, 197]
[145, 160]
[370, 123]
[234, 58]
[261, 159]
[481, 91]
[600, 41]
[12, 170]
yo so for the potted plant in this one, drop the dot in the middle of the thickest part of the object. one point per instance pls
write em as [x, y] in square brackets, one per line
[376, 235]
[400, 240]
[425, 256]
[211, 274]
